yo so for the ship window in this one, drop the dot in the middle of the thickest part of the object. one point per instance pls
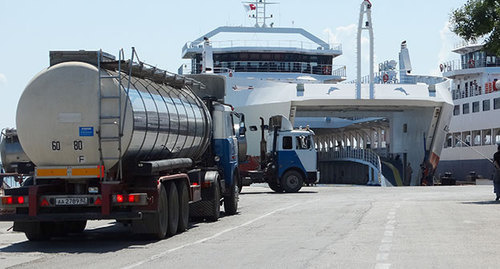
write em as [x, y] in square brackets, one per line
[497, 135]
[456, 110]
[486, 136]
[465, 108]
[466, 138]
[457, 139]
[475, 107]
[496, 103]
[486, 105]
[287, 142]
[449, 141]
[477, 138]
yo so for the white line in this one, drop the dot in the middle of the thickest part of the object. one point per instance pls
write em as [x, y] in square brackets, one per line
[160, 255]
[382, 266]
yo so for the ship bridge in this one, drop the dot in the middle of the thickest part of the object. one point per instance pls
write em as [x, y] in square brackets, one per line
[268, 50]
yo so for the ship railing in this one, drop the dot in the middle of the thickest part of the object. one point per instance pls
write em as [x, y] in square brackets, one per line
[364, 156]
[281, 67]
[264, 43]
[458, 64]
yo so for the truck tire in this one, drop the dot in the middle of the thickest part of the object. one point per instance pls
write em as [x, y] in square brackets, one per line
[292, 181]
[275, 187]
[173, 209]
[214, 209]
[182, 189]
[154, 224]
[231, 199]
[37, 231]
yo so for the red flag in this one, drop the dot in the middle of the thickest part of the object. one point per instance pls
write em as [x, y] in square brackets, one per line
[252, 6]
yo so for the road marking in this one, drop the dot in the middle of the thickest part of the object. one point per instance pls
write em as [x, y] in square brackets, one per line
[162, 254]
[386, 244]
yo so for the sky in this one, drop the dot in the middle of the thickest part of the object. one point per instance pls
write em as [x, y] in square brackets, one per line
[159, 29]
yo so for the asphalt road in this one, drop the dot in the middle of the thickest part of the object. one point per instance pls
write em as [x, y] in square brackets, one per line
[320, 227]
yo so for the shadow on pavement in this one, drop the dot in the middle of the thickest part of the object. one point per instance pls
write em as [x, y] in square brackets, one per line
[278, 193]
[101, 240]
[490, 202]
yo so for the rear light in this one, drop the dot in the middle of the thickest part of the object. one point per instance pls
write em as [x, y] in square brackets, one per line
[13, 200]
[98, 201]
[195, 183]
[135, 198]
[206, 184]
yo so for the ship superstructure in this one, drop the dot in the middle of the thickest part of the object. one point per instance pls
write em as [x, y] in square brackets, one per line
[475, 126]
[393, 131]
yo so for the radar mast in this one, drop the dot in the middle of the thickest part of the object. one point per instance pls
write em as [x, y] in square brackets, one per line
[258, 7]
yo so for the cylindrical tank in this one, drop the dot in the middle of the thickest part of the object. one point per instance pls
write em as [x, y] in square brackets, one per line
[11, 152]
[59, 112]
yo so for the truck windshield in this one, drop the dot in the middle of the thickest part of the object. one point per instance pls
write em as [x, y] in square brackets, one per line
[303, 142]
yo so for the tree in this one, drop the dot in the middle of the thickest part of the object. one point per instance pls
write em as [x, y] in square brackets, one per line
[478, 19]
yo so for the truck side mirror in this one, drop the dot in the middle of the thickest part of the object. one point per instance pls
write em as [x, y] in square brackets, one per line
[253, 128]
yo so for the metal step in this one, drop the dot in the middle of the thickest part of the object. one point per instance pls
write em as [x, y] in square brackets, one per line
[110, 117]
[110, 97]
[110, 77]
[111, 138]
[110, 158]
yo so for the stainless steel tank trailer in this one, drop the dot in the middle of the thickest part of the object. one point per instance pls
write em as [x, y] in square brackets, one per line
[120, 139]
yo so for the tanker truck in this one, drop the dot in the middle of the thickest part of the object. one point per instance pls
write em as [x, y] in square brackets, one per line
[119, 139]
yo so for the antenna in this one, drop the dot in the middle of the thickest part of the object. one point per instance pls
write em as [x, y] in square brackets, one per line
[366, 8]
[259, 7]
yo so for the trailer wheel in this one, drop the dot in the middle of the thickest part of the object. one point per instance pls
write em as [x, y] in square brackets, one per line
[183, 206]
[173, 209]
[37, 231]
[154, 225]
[275, 187]
[231, 200]
[292, 181]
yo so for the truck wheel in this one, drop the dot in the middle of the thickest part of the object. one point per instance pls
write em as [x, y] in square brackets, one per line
[214, 213]
[38, 231]
[183, 207]
[154, 224]
[292, 181]
[274, 186]
[173, 209]
[231, 200]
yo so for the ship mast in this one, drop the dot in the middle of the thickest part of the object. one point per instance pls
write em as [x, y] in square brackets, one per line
[366, 6]
[259, 7]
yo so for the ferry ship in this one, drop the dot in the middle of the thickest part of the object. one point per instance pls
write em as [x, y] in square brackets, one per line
[474, 130]
[387, 131]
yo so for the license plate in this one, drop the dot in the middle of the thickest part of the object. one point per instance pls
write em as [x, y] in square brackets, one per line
[72, 201]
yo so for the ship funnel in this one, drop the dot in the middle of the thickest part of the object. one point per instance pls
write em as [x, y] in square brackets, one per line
[404, 59]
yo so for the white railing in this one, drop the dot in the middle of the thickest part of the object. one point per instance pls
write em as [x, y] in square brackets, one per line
[276, 67]
[365, 156]
[264, 43]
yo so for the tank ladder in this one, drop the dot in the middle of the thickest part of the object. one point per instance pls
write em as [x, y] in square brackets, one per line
[110, 119]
